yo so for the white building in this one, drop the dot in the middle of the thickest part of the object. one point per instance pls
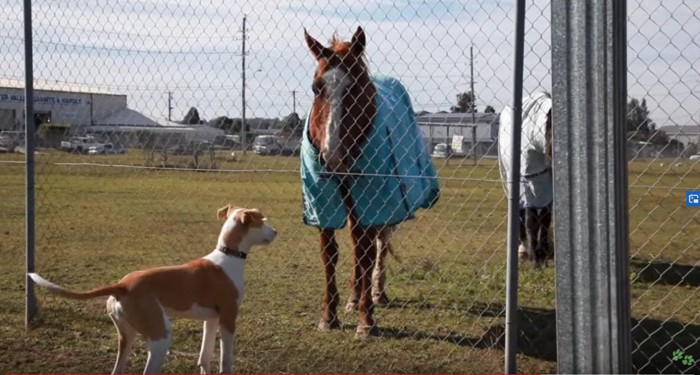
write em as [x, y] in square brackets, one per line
[64, 109]
[479, 128]
[685, 134]
[56, 103]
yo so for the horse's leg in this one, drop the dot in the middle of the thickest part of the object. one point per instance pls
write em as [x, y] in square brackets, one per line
[545, 220]
[523, 252]
[355, 282]
[329, 260]
[531, 228]
[378, 274]
[364, 247]
[379, 296]
[532, 223]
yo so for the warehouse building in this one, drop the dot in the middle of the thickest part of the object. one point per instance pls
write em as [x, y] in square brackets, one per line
[467, 133]
[56, 103]
[58, 107]
[63, 109]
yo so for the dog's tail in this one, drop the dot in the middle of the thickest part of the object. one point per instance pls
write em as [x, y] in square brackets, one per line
[113, 290]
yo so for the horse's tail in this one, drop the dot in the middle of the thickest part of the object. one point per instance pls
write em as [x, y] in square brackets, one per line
[384, 239]
[113, 290]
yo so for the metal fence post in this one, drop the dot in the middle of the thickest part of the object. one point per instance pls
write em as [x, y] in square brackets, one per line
[590, 174]
[30, 308]
[511, 348]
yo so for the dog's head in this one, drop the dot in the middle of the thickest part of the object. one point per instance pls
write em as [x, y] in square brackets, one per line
[243, 228]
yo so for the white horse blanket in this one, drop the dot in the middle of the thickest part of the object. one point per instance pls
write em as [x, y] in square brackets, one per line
[535, 171]
[395, 177]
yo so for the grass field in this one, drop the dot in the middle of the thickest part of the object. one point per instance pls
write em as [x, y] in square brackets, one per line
[95, 223]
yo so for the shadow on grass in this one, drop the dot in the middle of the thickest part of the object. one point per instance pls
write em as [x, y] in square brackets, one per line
[653, 341]
[666, 273]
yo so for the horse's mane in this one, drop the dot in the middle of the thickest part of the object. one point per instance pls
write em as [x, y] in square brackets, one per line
[341, 47]
[338, 45]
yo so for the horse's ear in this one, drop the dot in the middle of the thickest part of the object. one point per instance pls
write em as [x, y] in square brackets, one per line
[358, 41]
[316, 48]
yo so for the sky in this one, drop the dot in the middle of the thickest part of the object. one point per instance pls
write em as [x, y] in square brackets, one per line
[192, 49]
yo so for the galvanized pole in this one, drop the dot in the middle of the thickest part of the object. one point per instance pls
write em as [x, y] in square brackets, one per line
[471, 83]
[244, 140]
[30, 299]
[514, 196]
[590, 186]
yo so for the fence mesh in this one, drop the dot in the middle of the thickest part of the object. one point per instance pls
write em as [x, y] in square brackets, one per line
[141, 135]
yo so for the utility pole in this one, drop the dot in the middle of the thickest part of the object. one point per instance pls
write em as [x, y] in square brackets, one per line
[294, 101]
[473, 109]
[170, 105]
[244, 141]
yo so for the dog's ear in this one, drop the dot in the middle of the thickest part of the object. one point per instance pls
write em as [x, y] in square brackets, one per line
[222, 213]
[251, 215]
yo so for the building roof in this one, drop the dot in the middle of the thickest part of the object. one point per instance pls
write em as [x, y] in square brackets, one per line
[458, 118]
[42, 85]
[687, 130]
[126, 116]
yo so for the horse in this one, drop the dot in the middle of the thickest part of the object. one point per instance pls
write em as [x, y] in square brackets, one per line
[358, 157]
[536, 183]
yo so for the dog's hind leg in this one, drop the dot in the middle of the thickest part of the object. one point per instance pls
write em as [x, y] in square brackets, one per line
[126, 336]
[208, 344]
[155, 327]
[228, 348]
[157, 351]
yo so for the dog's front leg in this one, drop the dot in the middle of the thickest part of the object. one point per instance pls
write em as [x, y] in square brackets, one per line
[227, 351]
[208, 342]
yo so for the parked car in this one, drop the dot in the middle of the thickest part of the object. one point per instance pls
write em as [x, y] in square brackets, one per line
[443, 151]
[106, 148]
[80, 144]
[694, 157]
[266, 145]
[11, 140]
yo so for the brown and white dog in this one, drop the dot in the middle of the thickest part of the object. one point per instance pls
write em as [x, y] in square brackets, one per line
[208, 289]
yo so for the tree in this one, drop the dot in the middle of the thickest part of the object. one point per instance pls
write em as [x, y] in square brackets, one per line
[292, 124]
[638, 121]
[223, 122]
[489, 109]
[236, 126]
[465, 103]
[192, 117]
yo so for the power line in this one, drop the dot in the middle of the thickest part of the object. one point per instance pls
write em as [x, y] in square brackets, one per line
[138, 35]
[122, 50]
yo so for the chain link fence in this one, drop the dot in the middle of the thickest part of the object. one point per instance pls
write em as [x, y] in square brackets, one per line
[153, 114]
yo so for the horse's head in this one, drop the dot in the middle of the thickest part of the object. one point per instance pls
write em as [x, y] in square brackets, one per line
[343, 107]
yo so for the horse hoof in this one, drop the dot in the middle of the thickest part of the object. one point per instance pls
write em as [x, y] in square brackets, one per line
[364, 332]
[351, 306]
[382, 300]
[522, 253]
[325, 326]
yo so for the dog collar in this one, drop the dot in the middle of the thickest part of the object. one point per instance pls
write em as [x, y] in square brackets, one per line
[232, 252]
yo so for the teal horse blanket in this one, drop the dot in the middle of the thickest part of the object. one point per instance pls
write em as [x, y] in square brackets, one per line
[395, 175]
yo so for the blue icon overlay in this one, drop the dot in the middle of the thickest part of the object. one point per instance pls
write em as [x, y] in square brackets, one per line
[692, 198]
